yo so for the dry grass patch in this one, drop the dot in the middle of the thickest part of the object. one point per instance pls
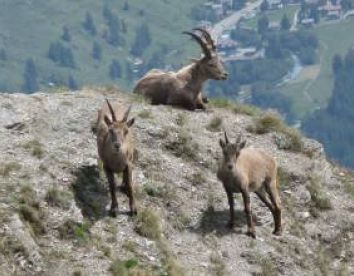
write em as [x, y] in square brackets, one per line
[183, 146]
[30, 210]
[287, 138]
[147, 224]
[58, 198]
[319, 198]
[181, 119]
[145, 114]
[34, 147]
[215, 124]
[78, 231]
[7, 168]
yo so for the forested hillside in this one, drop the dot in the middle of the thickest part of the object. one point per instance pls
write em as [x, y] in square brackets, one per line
[73, 43]
[333, 126]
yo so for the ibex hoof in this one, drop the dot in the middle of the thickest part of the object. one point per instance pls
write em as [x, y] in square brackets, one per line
[251, 234]
[113, 212]
[133, 213]
[277, 232]
[230, 225]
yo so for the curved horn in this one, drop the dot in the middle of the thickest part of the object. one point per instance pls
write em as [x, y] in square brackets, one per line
[114, 118]
[126, 114]
[205, 48]
[207, 37]
[226, 139]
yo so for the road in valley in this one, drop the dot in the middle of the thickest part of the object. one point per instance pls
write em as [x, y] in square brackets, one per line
[230, 21]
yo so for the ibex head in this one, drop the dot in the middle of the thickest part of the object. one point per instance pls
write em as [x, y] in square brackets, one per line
[118, 130]
[211, 65]
[231, 151]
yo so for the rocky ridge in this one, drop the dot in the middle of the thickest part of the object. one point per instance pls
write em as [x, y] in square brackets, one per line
[54, 196]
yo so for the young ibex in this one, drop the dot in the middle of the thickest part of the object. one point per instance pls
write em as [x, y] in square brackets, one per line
[246, 170]
[184, 87]
[116, 149]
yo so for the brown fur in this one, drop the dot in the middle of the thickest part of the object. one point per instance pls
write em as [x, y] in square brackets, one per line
[184, 87]
[246, 170]
[111, 133]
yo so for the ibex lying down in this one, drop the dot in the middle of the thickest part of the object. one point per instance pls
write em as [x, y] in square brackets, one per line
[245, 170]
[184, 87]
[116, 149]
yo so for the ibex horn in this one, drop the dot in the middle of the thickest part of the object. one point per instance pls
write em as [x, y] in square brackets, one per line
[226, 139]
[208, 37]
[112, 112]
[205, 48]
[126, 114]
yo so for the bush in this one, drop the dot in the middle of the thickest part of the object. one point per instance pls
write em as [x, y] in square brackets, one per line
[215, 124]
[147, 224]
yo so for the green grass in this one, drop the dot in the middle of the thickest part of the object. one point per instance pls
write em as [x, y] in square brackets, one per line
[34, 147]
[273, 16]
[334, 39]
[166, 20]
[147, 224]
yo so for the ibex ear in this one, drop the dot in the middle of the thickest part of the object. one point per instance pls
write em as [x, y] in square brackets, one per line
[222, 143]
[131, 122]
[107, 120]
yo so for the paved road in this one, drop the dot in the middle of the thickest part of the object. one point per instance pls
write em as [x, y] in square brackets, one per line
[230, 21]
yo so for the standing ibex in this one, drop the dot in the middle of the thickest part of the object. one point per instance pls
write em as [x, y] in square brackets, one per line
[184, 87]
[116, 149]
[245, 170]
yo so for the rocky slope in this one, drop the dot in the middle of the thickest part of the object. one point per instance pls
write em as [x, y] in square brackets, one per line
[54, 196]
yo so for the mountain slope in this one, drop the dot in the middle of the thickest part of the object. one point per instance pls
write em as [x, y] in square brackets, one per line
[27, 28]
[53, 196]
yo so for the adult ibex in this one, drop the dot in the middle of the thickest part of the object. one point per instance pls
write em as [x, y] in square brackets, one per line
[116, 149]
[184, 87]
[246, 170]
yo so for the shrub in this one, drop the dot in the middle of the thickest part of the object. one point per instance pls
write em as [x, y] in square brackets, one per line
[215, 124]
[58, 198]
[318, 197]
[35, 148]
[7, 168]
[147, 224]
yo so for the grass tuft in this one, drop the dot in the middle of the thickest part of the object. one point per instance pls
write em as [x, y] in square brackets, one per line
[35, 147]
[318, 196]
[215, 124]
[71, 229]
[58, 198]
[147, 224]
[7, 168]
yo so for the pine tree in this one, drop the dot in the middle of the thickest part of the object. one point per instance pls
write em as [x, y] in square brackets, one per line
[72, 84]
[115, 70]
[263, 25]
[30, 76]
[125, 6]
[89, 24]
[3, 55]
[285, 23]
[61, 55]
[66, 34]
[142, 40]
[96, 51]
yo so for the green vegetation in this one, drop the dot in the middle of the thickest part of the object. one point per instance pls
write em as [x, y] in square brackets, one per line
[30, 210]
[147, 224]
[333, 39]
[319, 198]
[289, 138]
[71, 229]
[90, 41]
[234, 106]
[35, 148]
[183, 146]
[58, 198]
[333, 125]
[215, 124]
[7, 168]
